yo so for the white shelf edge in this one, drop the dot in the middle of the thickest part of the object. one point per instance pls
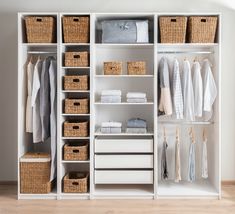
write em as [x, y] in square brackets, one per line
[123, 76]
[124, 134]
[75, 138]
[124, 103]
[64, 161]
[75, 44]
[187, 44]
[64, 67]
[75, 91]
[41, 44]
[82, 115]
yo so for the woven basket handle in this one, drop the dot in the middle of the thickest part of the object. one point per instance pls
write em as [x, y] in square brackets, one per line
[77, 104]
[76, 80]
[75, 183]
[173, 20]
[76, 151]
[112, 67]
[76, 56]
[203, 20]
[75, 127]
[39, 19]
[76, 19]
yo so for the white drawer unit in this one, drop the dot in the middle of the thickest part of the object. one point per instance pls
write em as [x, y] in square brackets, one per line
[123, 161]
[123, 146]
[123, 176]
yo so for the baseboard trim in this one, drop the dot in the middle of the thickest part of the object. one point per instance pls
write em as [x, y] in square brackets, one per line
[228, 182]
[8, 182]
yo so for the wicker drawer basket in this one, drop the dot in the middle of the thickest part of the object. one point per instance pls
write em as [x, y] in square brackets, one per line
[35, 169]
[76, 182]
[136, 68]
[79, 82]
[76, 106]
[76, 129]
[202, 29]
[76, 29]
[173, 29]
[76, 151]
[40, 29]
[112, 68]
[76, 59]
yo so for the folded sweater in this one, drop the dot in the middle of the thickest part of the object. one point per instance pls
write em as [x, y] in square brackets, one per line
[135, 95]
[136, 123]
[111, 124]
[111, 93]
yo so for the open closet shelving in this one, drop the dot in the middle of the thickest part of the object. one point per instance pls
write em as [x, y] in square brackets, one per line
[138, 174]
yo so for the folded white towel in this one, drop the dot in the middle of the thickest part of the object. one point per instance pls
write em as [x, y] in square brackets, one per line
[137, 100]
[135, 95]
[111, 99]
[111, 130]
[111, 125]
[111, 93]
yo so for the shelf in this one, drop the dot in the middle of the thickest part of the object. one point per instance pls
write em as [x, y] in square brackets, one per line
[63, 67]
[75, 138]
[98, 133]
[40, 44]
[180, 122]
[83, 115]
[134, 45]
[124, 76]
[187, 45]
[51, 195]
[74, 91]
[75, 44]
[124, 103]
[64, 161]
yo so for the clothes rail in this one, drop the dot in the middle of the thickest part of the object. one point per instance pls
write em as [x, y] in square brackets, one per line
[41, 52]
[185, 52]
[186, 122]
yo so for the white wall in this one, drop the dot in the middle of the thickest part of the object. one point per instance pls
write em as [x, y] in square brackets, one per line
[8, 64]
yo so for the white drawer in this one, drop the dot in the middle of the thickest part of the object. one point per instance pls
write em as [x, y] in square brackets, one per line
[123, 161]
[123, 177]
[124, 146]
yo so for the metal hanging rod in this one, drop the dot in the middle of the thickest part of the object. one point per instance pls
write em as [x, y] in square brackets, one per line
[186, 122]
[41, 52]
[185, 52]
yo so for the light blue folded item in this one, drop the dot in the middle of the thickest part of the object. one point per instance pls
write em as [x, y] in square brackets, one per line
[136, 123]
[136, 100]
[136, 130]
[111, 99]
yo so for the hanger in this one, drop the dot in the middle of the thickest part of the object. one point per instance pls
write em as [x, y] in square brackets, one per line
[195, 59]
[177, 133]
[204, 135]
[164, 133]
[192, 134]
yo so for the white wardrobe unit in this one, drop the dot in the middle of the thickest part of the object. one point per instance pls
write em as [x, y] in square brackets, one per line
[124, 165]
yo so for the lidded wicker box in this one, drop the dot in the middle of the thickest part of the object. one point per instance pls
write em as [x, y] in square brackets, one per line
[76, 59]
[136, 68]
[76, 151]
[35, 169]
[40, 29]
[76, 129]
[112, 68]
[78, 82]
[76, 182]
[76, 106]
[202, 29]
[173, 29]
[76, 29]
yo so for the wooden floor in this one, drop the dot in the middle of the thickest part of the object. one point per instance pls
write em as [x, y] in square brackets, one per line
[9, 205]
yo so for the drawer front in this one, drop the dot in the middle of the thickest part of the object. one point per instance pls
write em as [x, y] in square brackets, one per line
[123, 161]
[124, 146]
[123, 177]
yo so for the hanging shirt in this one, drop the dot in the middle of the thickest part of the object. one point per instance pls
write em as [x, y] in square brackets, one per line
[177, 161]
[29, 109]
[37, 125]
[210, 90]
[188, 95]
[177, 91]
[165, 104]
[53, 127]
[197, 89]
[191, 163]
[204, 160]
[164, 169]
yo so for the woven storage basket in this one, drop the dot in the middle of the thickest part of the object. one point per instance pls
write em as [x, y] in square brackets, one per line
[112, 68]
[35, 169]
[76, 106]
[76, 151]
[79, 82]
[136, 68]
[76, 59]
[76, 182]
[40, 29]
[202, 29]
[76, 129]
[76, 29]
[173, 29]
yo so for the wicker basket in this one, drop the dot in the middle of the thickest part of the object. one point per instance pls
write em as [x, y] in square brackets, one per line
[112, 68]
[173, 29]
[136, 68]
[76, 151]
[76, 59]
[76, 106]
[76, 29]
[40, 29]
[76, 182]
[79, 82]
[76, 129]
[202, 29]
[35, 169]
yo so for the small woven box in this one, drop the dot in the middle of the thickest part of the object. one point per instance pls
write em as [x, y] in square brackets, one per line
[76, 182]
[76, 59]
[136, 68]
[76, 106]
[79, 82]
[112, 68]
[76, 151]
[76, 129]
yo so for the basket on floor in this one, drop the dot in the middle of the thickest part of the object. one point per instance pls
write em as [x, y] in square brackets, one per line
[78, 82]
[136, 68]
[112, 68]
[76, 106]
[40, 29]
[76, 29]
[76, 129]
[76, 59]
[35, 169]
[202, 29]
[76, 182]
[173, 29]
[76, 151]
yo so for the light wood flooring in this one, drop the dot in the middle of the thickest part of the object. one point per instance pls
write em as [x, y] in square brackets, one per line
[9, 205]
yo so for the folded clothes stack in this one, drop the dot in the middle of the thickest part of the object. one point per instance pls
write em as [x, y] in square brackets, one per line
[111, 96]
[111, 127]
[136, 97]
[136, 125]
